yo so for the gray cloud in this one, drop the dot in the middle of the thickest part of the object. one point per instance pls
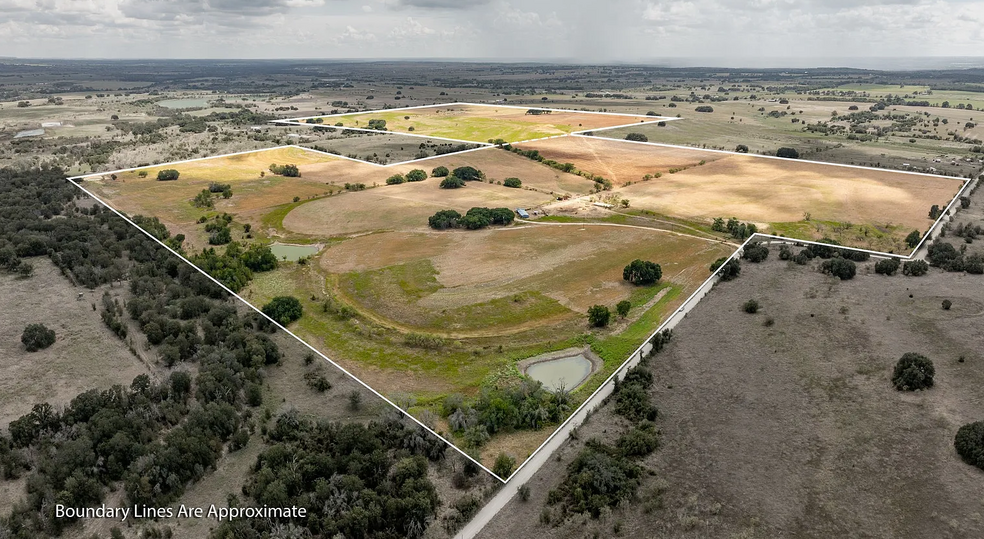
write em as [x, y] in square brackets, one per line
[584, 30]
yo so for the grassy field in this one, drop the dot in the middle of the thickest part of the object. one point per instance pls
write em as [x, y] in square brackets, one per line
[794, 429]
[254, 187]
[483, 124]
[864, 208]
[86, 354]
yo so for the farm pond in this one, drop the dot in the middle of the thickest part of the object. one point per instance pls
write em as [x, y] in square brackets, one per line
[293, 253]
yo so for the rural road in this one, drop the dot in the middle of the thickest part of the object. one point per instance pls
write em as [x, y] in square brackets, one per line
[530, 467]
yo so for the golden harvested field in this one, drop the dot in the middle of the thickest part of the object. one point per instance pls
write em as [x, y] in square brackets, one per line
[170, 201]
[484, 123]
[399, 207]
[757, 189]
[495, 163]
[618, 161]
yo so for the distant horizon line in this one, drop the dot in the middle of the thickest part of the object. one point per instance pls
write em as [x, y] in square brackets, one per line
[901, 63]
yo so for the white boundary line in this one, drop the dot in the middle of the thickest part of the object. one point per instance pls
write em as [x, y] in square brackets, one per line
[592, 402]
[131, 169]
[483, 146]
[302, 341]
[375, 131]
[691, 148]
[461, 103]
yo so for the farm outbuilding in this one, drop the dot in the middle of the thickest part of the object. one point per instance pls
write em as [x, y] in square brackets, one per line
[522, 213]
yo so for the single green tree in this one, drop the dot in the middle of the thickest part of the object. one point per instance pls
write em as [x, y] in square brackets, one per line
[599, 316]
[284, 309]
[623, 307]
[37, 337]
[913, 371]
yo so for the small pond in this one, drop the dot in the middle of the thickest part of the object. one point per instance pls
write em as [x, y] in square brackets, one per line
[567, 372]
[189, 103]
[293, 252]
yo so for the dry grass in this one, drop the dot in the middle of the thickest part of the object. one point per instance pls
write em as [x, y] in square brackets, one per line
[400, 207]
[85, 355]
[618, 161]
[794, 430]
[759, 190]
[482, 124]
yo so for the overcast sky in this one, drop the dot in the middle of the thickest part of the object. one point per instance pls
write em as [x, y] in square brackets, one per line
[735, 31]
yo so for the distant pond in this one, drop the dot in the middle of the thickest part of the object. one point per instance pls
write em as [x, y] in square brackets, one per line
[293, 253]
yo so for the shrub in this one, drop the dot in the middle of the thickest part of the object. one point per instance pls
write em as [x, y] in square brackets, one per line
[504, 465]
[741, 148]
[37, 337]
[452, 182]
[440, 172]
[512, 182]
[751, 306]
[598, 477]
[468, 174]
[788, 153]
[290, 171]
[889, 266]
[838, 267]
[599, 316]
[168, 175]
[637, 137]
[785, 253]
[913, 371]
[444, 220]
[729, 269]
[284, 309]
[755, 252]
[640, 441]
[416, 175]
[474, 221]
[395, 179]
[969, 443]
[913, 238]
[704, 108]
[623, 308]
[642, 272]
[915, 268]
[947, 304]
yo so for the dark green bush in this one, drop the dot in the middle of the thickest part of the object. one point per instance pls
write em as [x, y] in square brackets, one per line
[915, 268]
[913, 371]
[599, 316]
[440, 172]
[37, 337]
[751, 306]
[284, 309]
[969, 443]
[839, 267]
[452, 182]
[755, 252]
[888, 266]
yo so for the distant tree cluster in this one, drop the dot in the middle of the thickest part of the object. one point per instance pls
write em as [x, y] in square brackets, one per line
[475, 219]
[733, 226]
[440, 172]
[637, 137]
[947, 257]
[168, 175]
[512, 182]
[290, 170]
[452, 182]
[524, 406]
[378, 125]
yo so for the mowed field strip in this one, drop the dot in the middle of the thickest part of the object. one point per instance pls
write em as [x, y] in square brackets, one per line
[798, 199]
[482, 123]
